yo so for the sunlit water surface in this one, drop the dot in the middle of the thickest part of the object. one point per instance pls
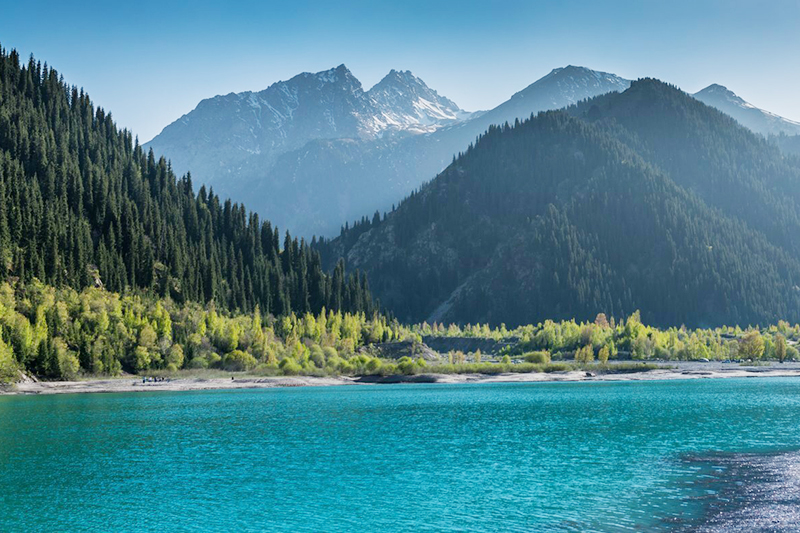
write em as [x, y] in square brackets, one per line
[632, 456]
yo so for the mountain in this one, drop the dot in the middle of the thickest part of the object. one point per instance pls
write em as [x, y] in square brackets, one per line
[81, 204]
[308, 175]
[560, 88]
[747, 114]
[219, 138]
[404, 102]
[645, 199]
[226, 138]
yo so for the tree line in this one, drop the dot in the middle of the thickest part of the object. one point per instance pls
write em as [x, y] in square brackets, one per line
[61, 333]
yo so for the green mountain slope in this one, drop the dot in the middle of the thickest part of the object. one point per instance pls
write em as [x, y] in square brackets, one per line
[705, 151]
[645, 199]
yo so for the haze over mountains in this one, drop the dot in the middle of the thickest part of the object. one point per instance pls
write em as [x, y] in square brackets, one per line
[745, 113]
[641, 199]
[318, 150]
[227, 137]
[82, 205]
[646, 199]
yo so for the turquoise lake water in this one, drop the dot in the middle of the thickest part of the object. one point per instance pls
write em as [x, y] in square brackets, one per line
[611, 456]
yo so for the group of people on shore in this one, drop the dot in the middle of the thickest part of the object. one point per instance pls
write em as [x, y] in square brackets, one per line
[155, 379]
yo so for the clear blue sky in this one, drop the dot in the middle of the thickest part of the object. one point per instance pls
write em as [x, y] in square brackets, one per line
[149, 62]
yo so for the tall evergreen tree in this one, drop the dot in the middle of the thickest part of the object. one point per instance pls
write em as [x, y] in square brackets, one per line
[81, 203]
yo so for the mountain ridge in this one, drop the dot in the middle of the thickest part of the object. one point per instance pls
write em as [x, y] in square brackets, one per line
[406, 102]
[758, 120]
[594, 209]
[411, 135]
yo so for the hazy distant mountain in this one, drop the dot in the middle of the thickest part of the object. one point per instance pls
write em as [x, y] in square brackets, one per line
[646, 199]
[318, 150]
[561, 88]
[223, 136]
[747, 114]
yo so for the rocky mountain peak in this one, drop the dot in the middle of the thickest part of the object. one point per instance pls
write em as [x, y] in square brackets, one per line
[406, 102]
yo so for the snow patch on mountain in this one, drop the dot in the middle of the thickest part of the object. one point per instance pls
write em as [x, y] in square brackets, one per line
[405, 102]
[750, 116]
[573, 84]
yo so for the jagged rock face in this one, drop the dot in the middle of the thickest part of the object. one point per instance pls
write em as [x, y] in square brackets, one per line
[217, 138]
[748, 115]
[405, 102]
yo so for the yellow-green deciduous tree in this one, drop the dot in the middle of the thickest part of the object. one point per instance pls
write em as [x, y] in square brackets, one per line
[602, 355]
[751, 346]
[780, 347]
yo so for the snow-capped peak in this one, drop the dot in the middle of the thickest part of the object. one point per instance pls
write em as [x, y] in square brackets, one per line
[340, 74]
[750, 116]
[720, 91]
[573, 83]
[405, 102]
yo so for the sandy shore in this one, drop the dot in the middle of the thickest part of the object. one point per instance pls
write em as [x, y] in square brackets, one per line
[134, 384]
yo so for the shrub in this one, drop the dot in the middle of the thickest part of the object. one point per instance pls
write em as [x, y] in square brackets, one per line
[238, 361]
[624, 368]
[213, 359]
[557, 367]
[388, 369]
[198, 362]
[406, 365]
[374, 365]
[330, 352]
[265, 369]
[334, 363]
[539, 358]
[317, 355]
[290, 367]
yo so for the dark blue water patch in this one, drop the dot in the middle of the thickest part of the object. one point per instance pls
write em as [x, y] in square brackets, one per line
[742, 492]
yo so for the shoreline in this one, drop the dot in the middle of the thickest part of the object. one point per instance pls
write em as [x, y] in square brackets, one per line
[244, 381]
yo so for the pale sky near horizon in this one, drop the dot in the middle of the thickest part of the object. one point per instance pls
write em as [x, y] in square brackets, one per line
[151, 61]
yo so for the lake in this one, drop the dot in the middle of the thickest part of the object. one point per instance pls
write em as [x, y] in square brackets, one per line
[612, 456]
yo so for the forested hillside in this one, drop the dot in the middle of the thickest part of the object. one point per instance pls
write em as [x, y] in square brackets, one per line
[82, 204]
[646, 199]
[788, 144]
[706, 152]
